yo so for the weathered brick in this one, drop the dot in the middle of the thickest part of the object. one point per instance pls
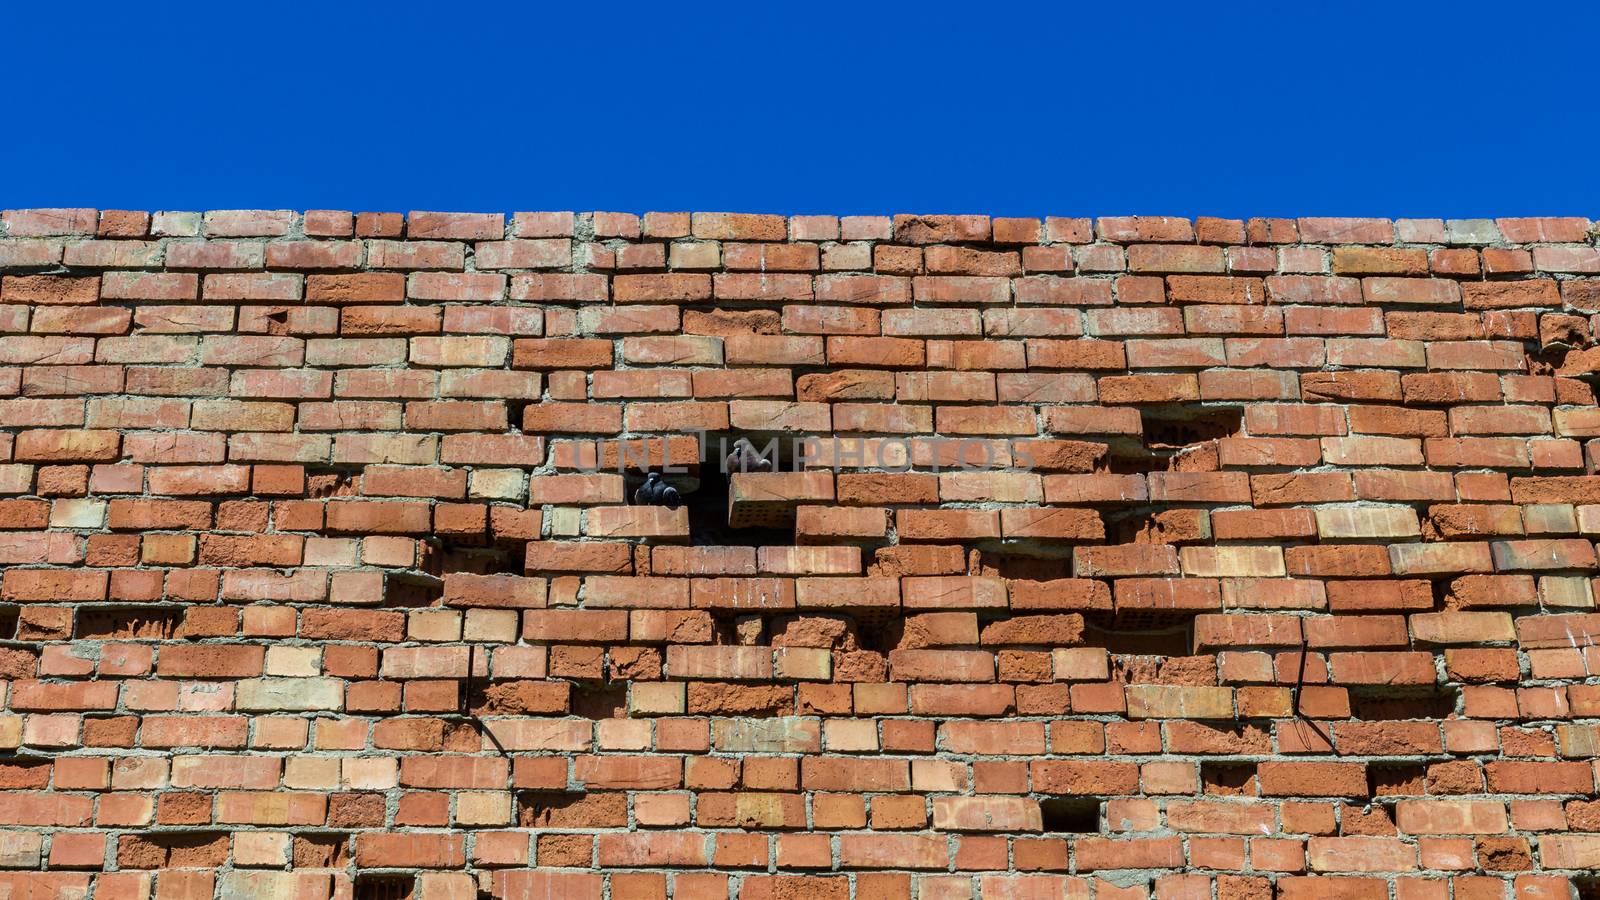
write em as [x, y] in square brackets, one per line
[271, 530]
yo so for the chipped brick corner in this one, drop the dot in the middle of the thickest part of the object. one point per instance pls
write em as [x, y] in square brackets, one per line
[322, 576]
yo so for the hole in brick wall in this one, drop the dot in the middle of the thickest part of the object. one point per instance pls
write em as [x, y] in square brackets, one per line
[593, 701]
[1071, 815]
[509, 563]
[879, 630]
[401, 589]
[102, 623]
[1023, 567]
[1125, 527]
[1176, 426]
[706, 495]
[384, 887]
[1396, 781]
[1162, 526]
[1587, 886]
[1146, 633]
[1136, 465]
[474, 561]
[1178, 436]
[1371, 704]
[430, 556]
[1229, 779]
[478, 562]
[1440, 587]
[8, 622]
[514, 411]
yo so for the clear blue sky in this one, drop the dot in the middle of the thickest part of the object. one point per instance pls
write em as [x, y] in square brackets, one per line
[1436, 109]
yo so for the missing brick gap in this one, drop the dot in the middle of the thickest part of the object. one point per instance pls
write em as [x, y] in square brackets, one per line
[98, 623]
[1378, 704]
[1070, 815]
[1588, 887]
[412, 590]
[875, 631]
[509, 563]
[1178, 436]
[1141, 632]
[1229, 779]
[384, 887]
[515, 408]
[1176, 427]
[1025, 567]
[706, 492]
[600, 701]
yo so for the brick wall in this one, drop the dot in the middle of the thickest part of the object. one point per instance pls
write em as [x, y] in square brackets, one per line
[319, 564]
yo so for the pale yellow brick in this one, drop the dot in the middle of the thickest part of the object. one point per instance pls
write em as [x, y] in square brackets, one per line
[446, 886]
[804, 663]
[77, 513]
[783, 734]
[564, 521]
[497, 484]
[491, 625]
[298, 694]
[1367, 522]
[260, 848]
[20, 849]
[1232, 562]
[10, 732]
[434, 625]
[622, 734]
[1081, 663]
[1567, 591]
[1173, 701]
[322, 551]
[1457, 627]
[850, 735]
[656, 698]
[311, 773]
[695, 255]
[941, 775]
[377, 773]
[293, 662]
[16, 478]
[483, 808]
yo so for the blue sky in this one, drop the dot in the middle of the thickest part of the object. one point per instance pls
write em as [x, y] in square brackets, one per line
[1453, 110]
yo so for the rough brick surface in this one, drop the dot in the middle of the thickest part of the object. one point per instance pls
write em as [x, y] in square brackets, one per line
[1129, 557]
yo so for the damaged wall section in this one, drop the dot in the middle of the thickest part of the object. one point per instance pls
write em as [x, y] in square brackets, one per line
[1140, 557]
